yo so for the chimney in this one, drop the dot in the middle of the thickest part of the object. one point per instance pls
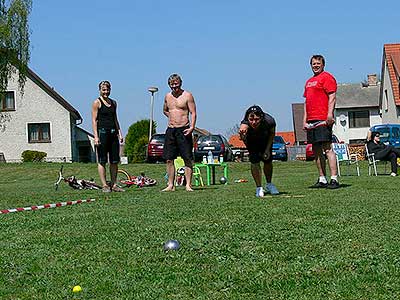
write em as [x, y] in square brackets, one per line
[372, 80]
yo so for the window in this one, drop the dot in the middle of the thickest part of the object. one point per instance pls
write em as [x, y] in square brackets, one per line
[386, 101]
[39, 133]
[7, 101]
[396, 133]
[358, 119]
[278, 139]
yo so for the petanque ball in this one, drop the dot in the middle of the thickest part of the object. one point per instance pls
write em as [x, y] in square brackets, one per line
[171, 245]
[222, 180]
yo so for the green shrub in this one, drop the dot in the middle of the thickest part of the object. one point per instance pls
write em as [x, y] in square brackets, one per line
[136, 132]
[33, 156]
[139, 150]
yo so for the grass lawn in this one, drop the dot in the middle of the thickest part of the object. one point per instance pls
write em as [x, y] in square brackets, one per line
[303, 244]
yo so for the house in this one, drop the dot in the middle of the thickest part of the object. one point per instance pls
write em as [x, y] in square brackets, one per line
[237, 143]
[357, 109]
[389, 97]
[41, 119]
[300, 136]
[288, 136]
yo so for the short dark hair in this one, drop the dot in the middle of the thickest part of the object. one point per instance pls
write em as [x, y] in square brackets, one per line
[256, 110]
[318, 57]
[174, 77]
[374, 134]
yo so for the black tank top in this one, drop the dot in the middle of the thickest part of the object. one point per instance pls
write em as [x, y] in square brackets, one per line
[106, 116]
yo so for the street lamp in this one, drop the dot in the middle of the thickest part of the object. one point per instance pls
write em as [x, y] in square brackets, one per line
[152, 90]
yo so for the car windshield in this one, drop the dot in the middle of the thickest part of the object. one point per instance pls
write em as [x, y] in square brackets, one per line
[278, 139]
[158, 138]
[209, 138]
[384, 132]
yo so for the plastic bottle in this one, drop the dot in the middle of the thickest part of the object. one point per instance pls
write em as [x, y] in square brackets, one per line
[221, 159]
[204, 159]
[210, 157]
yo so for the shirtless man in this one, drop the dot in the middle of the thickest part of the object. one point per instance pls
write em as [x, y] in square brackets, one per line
[178, 105]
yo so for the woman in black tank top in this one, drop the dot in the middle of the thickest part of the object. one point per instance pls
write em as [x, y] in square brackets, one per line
[107, 136]
[106, 114]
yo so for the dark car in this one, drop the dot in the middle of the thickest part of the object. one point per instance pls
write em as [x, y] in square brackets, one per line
[310, 155]
[279, 151]
[155, 148]
[216, 143]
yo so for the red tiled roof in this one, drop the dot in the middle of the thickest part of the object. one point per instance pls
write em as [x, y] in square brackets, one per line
[288, 136]
[396, 63]
[236, 142]
[392, 55]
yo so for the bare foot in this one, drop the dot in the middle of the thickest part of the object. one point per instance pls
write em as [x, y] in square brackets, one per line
[169, 189]
[189, 189]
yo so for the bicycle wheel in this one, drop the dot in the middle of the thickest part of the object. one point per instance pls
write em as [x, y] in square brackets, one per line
[124, 178]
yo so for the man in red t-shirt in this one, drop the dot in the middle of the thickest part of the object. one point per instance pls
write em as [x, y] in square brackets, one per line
[320, 94]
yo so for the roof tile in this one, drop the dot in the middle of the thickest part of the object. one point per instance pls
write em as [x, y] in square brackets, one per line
[392, 53]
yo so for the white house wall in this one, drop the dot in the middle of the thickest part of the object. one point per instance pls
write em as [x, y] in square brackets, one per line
[344, 133]
[390, 112]
[36, 106]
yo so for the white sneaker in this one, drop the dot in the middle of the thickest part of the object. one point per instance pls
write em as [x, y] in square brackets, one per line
[259, 192]
[393, 174]
[271, 188]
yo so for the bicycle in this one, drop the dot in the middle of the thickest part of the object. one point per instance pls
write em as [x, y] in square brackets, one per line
[77, 184]
[140, 181]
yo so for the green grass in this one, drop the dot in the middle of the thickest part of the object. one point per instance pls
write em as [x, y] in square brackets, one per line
[329, 244]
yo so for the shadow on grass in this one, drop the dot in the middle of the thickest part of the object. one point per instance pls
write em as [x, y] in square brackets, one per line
[341, 185]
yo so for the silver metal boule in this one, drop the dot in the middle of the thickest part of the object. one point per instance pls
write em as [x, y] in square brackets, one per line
[171, 245]
[222, 180]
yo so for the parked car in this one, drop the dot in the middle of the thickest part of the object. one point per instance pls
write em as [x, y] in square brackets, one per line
[155, 148]
[390, 133]
[310, 155]
[279, 150]
[216, 143]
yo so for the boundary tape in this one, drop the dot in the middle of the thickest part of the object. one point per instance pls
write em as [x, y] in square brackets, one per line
[284, 196]
[51, 205]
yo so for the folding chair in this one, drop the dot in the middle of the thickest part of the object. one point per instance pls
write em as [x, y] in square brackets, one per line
[343, 156]
[179, 164]
[179, 171]
[197, 176]
[372, 162]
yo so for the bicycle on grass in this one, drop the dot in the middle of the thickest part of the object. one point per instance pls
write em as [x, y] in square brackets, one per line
[140, 181]
[77, 184]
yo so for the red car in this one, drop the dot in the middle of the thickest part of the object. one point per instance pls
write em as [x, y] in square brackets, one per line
[310, 155]
[155, 148]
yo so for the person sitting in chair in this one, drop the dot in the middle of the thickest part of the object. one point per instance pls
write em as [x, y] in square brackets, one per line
[383, 152]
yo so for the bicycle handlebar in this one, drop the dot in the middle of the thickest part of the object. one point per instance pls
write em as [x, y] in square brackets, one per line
[60, 178]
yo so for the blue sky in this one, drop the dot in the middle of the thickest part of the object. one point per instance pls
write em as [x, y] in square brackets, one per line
[230, 54]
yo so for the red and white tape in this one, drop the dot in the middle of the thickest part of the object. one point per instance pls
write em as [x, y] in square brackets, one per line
[52, 205]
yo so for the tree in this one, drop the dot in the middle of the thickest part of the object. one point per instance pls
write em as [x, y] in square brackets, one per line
[136, 139]
[233, 130]
[14, 41]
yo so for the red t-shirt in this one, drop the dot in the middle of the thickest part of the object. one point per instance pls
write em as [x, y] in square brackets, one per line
[316, 92]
